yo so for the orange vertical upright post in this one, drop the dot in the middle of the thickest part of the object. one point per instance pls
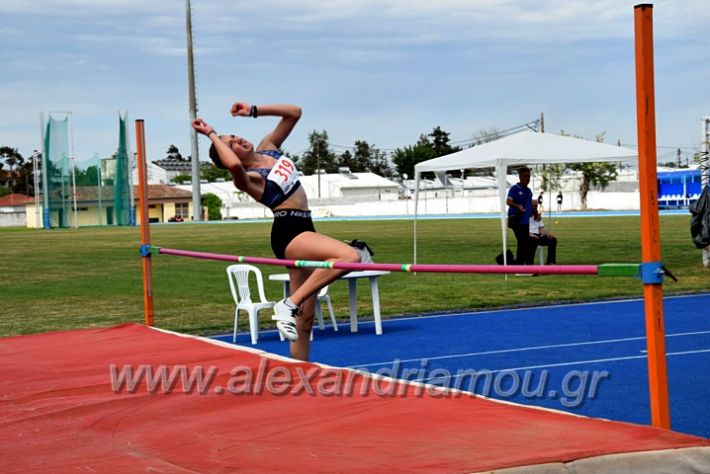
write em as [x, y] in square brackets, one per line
[650, 229]
[145, 224]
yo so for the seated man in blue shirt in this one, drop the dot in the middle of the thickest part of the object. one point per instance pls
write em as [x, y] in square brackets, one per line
[519, 211]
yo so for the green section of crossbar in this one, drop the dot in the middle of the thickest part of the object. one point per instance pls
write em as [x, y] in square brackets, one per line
[620, 270]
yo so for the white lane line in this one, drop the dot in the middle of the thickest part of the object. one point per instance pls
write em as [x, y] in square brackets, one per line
[494, 311]
[542, 307]
[565, 364]
[523, 349]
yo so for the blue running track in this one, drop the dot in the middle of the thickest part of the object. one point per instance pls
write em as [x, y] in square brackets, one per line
[587, 359]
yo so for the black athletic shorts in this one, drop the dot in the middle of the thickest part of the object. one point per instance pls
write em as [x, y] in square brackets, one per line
[288, 224]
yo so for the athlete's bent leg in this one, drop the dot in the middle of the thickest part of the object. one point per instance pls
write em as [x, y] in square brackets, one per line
[300, 349]
[314, 246]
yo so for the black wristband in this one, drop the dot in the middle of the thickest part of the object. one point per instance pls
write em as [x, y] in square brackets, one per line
[210, 132]
[253, 112]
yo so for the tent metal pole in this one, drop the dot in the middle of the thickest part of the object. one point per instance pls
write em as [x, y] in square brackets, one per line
[501, 170]
[416, 211]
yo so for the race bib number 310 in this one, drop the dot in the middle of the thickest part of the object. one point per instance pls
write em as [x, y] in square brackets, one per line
[284, 174]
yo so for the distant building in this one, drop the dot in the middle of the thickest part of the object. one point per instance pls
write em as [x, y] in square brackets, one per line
[94, 205]
[334, 188]
[156, 174]
[166, 202]
[12, 209]
[347, 185]
[175, 166]
[678, 187]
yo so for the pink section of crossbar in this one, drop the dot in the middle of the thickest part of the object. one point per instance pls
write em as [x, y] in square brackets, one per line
[395, 267]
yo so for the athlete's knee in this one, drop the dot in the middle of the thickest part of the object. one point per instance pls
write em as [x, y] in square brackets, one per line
[351, 255]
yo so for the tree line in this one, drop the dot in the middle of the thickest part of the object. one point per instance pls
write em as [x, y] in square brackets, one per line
[16, 171]
[361, 157]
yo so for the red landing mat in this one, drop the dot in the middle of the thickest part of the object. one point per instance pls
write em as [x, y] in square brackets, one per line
[60, 412]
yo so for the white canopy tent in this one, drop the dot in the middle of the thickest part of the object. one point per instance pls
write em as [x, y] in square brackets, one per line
[524, 148]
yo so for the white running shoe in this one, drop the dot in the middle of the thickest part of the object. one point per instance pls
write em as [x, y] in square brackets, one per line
[285, 316]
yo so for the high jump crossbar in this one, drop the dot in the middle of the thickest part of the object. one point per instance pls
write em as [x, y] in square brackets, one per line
[609, 269]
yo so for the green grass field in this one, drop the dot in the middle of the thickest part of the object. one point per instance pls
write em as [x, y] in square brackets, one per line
[89, 277]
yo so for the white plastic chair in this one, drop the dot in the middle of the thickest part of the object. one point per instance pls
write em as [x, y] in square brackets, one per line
[324, 296]
[243, 297]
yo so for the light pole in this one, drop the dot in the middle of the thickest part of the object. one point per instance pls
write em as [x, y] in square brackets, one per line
[406, 191]
[195, 158]
[35, 175]
[317, 166]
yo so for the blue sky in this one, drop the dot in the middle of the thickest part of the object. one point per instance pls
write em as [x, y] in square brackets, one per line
[382, 71]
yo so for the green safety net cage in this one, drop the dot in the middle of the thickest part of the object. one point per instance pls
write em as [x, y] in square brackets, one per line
[91, 192]
[99, 189]
[122, 177]
[57, 186]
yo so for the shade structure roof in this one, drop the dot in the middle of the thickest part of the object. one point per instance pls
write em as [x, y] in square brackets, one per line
[527, 148]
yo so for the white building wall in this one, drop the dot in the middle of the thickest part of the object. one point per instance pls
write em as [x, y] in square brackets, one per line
[371, 195]
[487, 203]
[11, 217]
[156, 175]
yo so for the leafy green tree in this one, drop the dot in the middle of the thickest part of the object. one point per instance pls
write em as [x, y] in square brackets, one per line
[598, 174]
[381, 165]
[19, 171]
[440, 142]
[5, 190]
[295, 158]
[551, 176]
[213, 204]
[362, 155]
[182, 179]
[25, 183]
[87, 177]
[366, 157]
[405, 158]
[11, 158]
[211, 173]
[319, 155]
[347, 160]
[431, 145]
[173, 153]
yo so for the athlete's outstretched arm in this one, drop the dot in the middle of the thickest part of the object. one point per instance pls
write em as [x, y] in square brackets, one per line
[228, 158]
[289, 117]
